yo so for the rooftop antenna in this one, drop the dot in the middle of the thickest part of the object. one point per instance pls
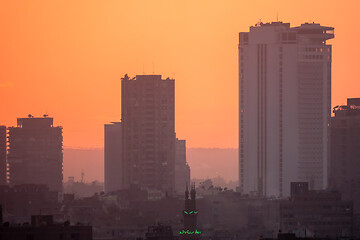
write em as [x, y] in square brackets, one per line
[277, 16]
[143, 69]
[153, 68]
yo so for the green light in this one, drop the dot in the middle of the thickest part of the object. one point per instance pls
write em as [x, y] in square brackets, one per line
[195, 212]
[189, 232]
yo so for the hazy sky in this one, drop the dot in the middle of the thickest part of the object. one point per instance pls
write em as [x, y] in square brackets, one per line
[66, 58]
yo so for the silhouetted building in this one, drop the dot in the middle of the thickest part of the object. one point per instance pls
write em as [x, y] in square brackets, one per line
[42, 227]
[182, 169]
[82, 189]
[316, 213]
[190, 214]
[112, 157]
[159, 232]
[148, 132]
[3, 170]
[21, 201]
[284, 107]
[292, 236]
[345, 151]
[35, 153]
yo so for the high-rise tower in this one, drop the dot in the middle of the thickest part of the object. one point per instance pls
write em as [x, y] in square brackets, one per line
[148, 132]
[35, 153]
[284, 107]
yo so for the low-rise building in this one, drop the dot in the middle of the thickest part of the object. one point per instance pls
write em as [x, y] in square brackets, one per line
[43, 227]
[316, 213]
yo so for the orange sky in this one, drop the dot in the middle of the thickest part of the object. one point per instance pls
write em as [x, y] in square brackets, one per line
[66, 58]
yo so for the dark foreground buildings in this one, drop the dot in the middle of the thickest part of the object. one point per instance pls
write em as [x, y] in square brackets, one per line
[316, 213]
[20, 202]
[35, 153]
[159, 232]
[43, 227]
[141, 150]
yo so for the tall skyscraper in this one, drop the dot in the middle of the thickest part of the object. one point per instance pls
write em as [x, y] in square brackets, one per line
[3, 170]
[284, 107]
[112, 157]
[148, 132]
[345, 151]
[182, 169]
[35, 153]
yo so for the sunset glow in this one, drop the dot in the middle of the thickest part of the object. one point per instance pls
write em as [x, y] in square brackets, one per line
[66, 58]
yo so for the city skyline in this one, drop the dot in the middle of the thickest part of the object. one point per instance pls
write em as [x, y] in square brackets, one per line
[179, 120]
[72, 60]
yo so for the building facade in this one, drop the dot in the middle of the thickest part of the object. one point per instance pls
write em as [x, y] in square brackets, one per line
[344, 165]
[21, 201]
[35, 153]
[148, 132]
[284, 107]
[3, 168]
[112, 157]
[182, 169]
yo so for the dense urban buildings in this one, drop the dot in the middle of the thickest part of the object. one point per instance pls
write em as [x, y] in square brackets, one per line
[43, 227]
[159, 232]
[182, 169]
[142, 149]
[3, 167]
[316, 213]
[35, 153]
[21, 201]
[112, 157]
[344, 166]
[284, 107]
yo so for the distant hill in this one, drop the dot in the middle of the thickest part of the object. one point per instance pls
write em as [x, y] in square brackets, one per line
[204, 163]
